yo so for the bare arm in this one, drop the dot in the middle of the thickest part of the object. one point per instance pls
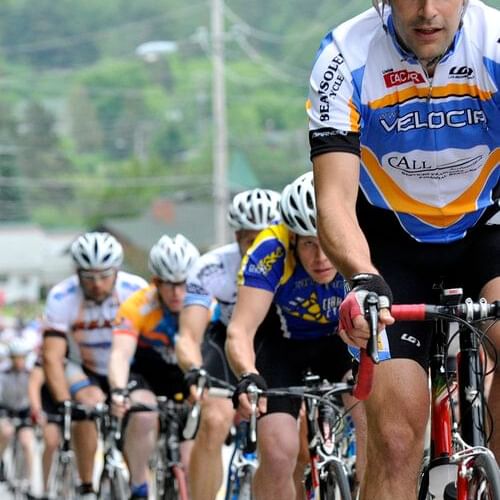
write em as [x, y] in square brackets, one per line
[122, 350]
[54, 353]
[35, 383]
[251, 308]
[336, 181]
[193, 322]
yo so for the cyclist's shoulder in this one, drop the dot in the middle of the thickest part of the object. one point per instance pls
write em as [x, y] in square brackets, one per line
[352, 38]
[216, 262]
[142, 299]
[128, 283]
[481, 28]
[66, 289]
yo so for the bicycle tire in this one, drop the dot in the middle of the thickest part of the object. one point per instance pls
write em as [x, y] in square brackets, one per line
[335, 485]
[112, 486]
[485, 481]
[245, 484]
[62, 482]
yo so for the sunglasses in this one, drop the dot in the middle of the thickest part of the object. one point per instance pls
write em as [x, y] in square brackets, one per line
[96, 275]
[171, 285]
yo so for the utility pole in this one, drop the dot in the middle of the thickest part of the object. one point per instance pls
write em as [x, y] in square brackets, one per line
[220, 154]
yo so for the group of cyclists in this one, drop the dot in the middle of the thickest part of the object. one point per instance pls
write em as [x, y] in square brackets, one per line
[404, 128]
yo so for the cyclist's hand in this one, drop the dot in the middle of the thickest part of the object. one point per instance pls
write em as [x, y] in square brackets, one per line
[37, 416]
[241, 400]
[191, 378]
[353, 327]
[120, 402]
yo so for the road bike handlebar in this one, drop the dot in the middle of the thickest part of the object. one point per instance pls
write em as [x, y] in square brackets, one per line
[468, 311]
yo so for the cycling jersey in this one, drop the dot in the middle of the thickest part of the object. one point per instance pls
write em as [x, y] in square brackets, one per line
[144, 317]
[307, 309]
[429, 147]
[14, 389]
[86, 324]
[214, 277]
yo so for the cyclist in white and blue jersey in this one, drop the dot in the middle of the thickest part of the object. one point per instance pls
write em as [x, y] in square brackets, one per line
[286, 269]
[405, 104]
[202, 345]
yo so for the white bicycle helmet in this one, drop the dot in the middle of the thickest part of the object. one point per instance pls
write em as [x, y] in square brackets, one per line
[19, 347]
[171, 258]
[254, 209]
[96, 251]
[298, 206]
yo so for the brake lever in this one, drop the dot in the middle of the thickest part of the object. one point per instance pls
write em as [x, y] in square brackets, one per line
[371, 314]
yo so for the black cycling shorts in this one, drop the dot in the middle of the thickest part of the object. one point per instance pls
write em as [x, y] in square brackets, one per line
[149, 371]
[214, 355]
[284, 362]
[49, 406]
[415, 272]
[213, 348]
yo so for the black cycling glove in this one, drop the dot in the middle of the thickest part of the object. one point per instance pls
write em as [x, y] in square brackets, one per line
[192, 376]
[372, 283]
[245, 380]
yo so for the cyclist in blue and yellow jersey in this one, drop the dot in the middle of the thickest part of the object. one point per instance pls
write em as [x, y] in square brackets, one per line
[78, 321]
[214, 277]
[286, 268]
[404, 103]
[144, 339]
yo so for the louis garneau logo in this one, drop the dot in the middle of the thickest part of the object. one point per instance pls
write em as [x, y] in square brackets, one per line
[411, 339]
[457, 72]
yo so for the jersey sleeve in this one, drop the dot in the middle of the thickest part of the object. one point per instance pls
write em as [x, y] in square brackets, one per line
[263, 265]
[55, 316]
[332, 106]
[199, 283]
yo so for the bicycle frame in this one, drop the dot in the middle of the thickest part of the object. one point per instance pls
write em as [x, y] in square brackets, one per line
[459, 452]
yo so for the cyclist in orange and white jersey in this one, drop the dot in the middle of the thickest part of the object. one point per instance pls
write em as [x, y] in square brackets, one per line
[79, 314]
[405, 104]
[144, 337]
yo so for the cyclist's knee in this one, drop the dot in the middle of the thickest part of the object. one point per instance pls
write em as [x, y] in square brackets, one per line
[6, 430]
[90, 395]
[215, 423]
[143, 422]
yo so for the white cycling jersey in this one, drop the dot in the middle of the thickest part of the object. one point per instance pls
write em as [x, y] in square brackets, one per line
[87, 325]
[214, 277]
[429, 147]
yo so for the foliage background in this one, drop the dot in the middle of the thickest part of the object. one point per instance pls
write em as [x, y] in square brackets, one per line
[88, 130]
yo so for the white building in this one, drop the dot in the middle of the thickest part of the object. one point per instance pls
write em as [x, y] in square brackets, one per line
[31, 260]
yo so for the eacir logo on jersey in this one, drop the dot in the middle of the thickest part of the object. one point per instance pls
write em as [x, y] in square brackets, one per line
[400, 77]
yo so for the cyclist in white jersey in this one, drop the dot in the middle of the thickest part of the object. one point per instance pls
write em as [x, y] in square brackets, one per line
[405, 103]
[214, 277]
[78, 332]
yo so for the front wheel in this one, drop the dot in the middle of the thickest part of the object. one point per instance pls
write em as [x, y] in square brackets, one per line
[484, 483]
[112, 486]
[334, 483]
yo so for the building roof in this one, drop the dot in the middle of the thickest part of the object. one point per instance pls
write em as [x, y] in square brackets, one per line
[193, 219]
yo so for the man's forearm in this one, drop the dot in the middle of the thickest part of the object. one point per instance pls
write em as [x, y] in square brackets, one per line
[344, 243]
[188, 352]
[118, 371]
[56, 380]
[240, 352]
